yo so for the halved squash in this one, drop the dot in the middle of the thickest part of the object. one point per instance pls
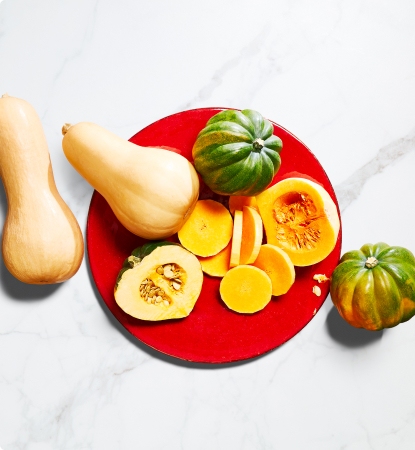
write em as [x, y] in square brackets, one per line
[208, 230]
[278, 266]
[251, 235]
[301, 218]
[246, 289]
[164, 285]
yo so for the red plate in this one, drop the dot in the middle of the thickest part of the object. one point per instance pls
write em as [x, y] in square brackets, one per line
[211, 333]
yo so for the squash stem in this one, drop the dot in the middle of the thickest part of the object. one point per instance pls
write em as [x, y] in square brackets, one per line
[258, 144]
[371, 262]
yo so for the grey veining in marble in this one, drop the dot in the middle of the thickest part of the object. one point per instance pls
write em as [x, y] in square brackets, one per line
[340, 76]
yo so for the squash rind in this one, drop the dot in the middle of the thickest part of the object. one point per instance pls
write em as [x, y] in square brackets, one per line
[226, 156]
[378, 297]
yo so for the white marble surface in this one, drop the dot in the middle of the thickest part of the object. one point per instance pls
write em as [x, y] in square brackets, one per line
[341, 76]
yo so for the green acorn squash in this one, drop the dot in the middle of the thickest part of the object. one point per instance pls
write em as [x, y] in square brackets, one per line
[374, 287]
[237, 153]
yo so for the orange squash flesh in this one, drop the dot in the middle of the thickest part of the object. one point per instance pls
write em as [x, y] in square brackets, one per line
[217, 265]
[236, 239]
[278, 266]
[301, 218]
[208, 230]
[251, 235]
[246, 289]
[237, 202]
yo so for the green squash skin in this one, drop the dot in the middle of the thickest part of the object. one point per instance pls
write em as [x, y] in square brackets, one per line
[225, 156]
[378, 297]
[138, 255]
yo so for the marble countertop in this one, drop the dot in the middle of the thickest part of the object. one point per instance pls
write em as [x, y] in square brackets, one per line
[341, 77]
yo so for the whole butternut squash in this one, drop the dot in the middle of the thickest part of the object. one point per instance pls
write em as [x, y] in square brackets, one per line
[42, 242]
[150, 190]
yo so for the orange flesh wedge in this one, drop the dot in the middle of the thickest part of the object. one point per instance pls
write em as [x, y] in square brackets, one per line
[236, 239]
[251, 235]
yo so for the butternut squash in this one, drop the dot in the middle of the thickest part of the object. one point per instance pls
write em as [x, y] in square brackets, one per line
[246, 289]
[151, 191]
[208, 229]
[42, 242]
[236, 239]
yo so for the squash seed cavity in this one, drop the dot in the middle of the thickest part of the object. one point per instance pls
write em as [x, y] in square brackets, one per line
[151, 293]
[295, 214]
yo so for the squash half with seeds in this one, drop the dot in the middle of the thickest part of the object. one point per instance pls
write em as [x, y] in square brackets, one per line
[301, 218]
[163, 285]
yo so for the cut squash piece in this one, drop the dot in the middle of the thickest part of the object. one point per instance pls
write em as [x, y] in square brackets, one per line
[164, 285]
[236, 239]
[246, 289]
[251, 235]
[301, 218]
[278, 266]
[237, 202]
[208, 230]
[217, 265]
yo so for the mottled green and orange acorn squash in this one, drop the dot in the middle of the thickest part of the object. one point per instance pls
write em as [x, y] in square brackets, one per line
[374, 287]
[237, 153]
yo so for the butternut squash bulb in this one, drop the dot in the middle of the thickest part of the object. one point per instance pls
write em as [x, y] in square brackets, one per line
[163, 285]
[150, 190]
[301, 218]
[42, 242]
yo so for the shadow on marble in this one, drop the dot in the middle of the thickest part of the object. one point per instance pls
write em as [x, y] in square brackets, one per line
[349, 336]
[23, 291]
[150, 351]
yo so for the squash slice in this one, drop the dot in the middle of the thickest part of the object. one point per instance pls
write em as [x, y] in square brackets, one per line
[208, 229]
[278, 266]
[236, 239]
[237, 202]
[251, 235]
[246, 289]
[217, 265]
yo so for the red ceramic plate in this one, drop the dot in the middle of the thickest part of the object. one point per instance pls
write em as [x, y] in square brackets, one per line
[211, 333]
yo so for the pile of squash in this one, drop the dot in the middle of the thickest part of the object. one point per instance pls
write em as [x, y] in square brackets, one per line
[237, 155]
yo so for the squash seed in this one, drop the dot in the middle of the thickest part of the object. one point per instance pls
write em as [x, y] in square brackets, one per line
[316, 291]
[176, 285]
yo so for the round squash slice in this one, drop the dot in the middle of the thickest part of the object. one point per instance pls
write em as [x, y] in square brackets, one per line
[208, 230]
[164, 285]
[300, 217]
[246, 289]
[278, 266]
